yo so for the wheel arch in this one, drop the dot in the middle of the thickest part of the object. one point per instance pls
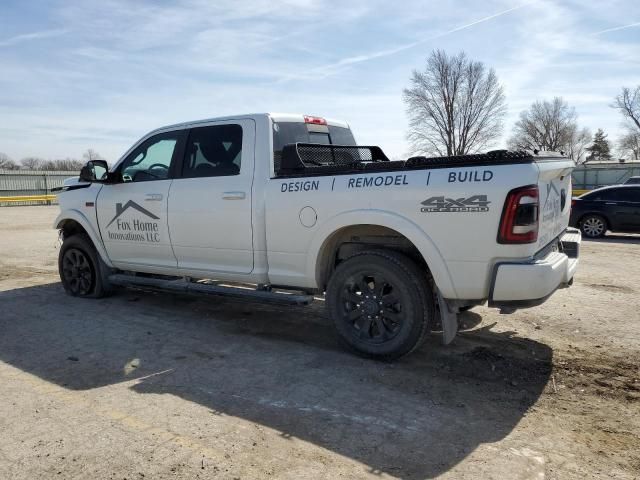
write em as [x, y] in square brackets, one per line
[360, 225]
[72, 222]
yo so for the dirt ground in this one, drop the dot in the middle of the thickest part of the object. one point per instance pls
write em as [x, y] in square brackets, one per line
[143, 385]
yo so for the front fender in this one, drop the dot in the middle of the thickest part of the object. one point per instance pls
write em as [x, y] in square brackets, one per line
[79, 217]
[382, 218]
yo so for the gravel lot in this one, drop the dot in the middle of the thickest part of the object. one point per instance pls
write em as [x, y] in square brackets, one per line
[142, 385]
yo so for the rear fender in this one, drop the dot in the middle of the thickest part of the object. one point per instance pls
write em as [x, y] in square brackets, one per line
[382, 218]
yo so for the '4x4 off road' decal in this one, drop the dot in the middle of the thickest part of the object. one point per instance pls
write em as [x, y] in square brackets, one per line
[476, 203]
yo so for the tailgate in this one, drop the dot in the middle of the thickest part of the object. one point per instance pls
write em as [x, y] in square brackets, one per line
[554, 184]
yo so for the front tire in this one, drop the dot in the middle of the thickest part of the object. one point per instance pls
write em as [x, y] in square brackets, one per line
[381, 304]
[82, 271]
[593, 226]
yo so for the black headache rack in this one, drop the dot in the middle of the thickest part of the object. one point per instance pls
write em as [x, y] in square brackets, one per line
[306, 159]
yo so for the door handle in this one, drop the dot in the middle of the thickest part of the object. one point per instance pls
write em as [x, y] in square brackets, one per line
[611, 203]
[234, 195]
[153, 197]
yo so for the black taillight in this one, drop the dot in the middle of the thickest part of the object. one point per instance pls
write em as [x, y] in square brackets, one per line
[519, 222]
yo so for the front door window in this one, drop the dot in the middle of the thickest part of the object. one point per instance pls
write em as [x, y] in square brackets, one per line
[151, 160]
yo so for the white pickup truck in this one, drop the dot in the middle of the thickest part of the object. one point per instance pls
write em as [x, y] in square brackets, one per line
[281, 207]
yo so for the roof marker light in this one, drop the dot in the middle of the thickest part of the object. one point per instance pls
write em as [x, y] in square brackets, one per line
[314, 120]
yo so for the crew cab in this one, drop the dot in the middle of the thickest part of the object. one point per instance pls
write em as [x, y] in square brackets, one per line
[280, 207]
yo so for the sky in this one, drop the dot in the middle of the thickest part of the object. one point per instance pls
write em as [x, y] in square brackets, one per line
[101, 73]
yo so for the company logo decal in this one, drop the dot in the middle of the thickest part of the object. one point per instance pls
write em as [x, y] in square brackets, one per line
[475, 203]
[552, 209]
[552, 204]
[131, 204]
[136, 230]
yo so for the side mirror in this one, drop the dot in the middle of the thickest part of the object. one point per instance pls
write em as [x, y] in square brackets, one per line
[94, 171]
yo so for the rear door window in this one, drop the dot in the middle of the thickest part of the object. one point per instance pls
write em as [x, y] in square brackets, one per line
[629, 195]
[213, 151]
[623, 194]
[602, 195]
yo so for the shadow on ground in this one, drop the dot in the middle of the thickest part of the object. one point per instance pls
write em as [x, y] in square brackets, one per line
[614, 238]
[282, 367]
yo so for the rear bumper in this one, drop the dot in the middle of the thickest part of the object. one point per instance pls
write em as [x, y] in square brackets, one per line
[529, 283]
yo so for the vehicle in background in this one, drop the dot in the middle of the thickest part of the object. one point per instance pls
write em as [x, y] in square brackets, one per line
[633, 180]
[615, 208]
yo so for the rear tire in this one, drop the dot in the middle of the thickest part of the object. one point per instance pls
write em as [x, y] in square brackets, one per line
[593, 226]
[381, 304]
[82, 271]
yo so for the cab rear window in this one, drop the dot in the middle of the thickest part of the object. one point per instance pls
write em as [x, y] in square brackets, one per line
[285, 133]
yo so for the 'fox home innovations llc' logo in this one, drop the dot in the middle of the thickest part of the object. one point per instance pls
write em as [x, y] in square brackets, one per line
[136, 230]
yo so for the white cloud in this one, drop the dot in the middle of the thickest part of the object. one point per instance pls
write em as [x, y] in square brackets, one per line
[365, 57]
[615, 29]
[27, 37]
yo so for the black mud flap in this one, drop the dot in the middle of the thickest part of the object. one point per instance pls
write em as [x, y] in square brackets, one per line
[449, 320]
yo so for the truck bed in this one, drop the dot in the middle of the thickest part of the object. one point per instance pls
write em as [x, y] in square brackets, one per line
[304, 159]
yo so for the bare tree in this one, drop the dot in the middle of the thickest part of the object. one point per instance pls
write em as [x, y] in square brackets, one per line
[552, 126]
[629, 145]
[91, 154]
[67, 164]
[32, 163]
[579, 140]
[455, 106]
[6, 163]
[628, 103]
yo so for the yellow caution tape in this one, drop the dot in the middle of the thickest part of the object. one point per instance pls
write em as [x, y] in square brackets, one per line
[29, 198]
[577, 192]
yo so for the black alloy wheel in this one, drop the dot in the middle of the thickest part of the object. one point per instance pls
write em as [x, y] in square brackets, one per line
[372, 306]
[77, 272]
[82, 271]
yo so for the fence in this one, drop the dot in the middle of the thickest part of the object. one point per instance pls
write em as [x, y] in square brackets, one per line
[598, 175]
[23, 187]
[20, 187]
